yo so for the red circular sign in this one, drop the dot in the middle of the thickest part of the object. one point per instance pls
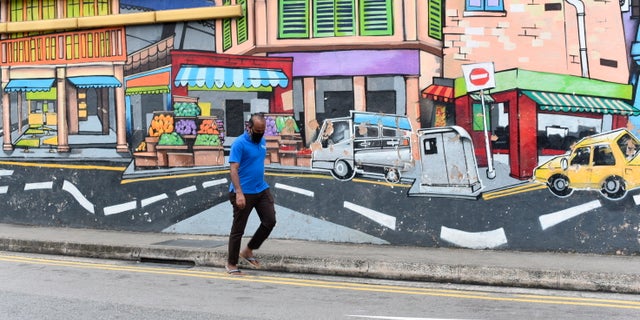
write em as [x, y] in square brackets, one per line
[479, 76]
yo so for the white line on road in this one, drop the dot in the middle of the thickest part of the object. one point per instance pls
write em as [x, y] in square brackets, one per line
[186, 190]
[4, 189]
[551, 219]
[295, 189]
[150, 200]
[636, 199]
[82, 200]
[5, 172]
[38, 185]
[381, 218]
[118, 208]
[212, 183]
[474, 240]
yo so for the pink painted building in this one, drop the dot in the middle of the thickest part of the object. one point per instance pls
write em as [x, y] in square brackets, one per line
[347, 55]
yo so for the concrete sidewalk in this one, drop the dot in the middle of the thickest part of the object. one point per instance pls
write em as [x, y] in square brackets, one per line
[501, 268]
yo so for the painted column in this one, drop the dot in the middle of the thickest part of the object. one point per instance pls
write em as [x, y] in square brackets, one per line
[6, 113]
[359, 93]
[309, 107]
[260, 22]
[121, 121]
[413, 110]
[63, 133]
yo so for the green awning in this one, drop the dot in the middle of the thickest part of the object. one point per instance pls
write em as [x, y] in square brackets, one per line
[147, 90]
[487, 97]
[576, 103]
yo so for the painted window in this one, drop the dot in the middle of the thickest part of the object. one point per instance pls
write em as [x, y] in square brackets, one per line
[334, 18]
[484, 5]
[435, 18]
[242, 28]
[87, 8]
[31, 10]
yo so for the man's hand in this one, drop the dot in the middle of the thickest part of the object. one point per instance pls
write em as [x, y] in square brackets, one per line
[240, 200]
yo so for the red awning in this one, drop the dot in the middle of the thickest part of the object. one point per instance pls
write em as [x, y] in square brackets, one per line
[438, 92]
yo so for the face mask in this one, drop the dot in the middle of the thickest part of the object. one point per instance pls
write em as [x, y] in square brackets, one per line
[256, 137]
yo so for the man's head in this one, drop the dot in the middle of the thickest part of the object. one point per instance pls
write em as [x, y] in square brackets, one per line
[257, 126]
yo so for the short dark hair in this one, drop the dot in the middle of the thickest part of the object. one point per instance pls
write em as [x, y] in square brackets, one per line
[258, 115]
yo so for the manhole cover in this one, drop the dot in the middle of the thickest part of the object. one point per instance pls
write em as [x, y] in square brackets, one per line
[191, 243]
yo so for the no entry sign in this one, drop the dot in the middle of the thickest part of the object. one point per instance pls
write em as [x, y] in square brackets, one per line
[479, 76]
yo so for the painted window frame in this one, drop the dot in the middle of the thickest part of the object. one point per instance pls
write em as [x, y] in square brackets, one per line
[298, 19]
[484, 5]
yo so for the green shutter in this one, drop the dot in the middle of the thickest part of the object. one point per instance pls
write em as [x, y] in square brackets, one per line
[435, 19]
[345, 17]
[227, 39]
[376, 18]
[243, 32]
[294, 19]
[323, 18]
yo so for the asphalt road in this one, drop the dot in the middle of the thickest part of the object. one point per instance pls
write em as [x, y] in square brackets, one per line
[51, 287]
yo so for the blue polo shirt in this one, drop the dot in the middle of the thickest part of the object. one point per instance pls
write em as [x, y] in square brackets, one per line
[250, 156]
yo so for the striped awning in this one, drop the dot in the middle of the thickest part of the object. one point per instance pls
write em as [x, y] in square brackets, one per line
[84, 82]
[221, 77]
[477, 97]
[29, 85]
[438, 92]
[575, 103]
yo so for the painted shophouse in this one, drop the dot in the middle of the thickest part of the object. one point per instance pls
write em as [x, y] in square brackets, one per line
[542, 102]
[354, 55]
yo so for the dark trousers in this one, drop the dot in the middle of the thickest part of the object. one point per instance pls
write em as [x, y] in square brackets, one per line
[264, 205]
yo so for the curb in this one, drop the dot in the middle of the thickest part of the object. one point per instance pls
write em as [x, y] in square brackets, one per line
[345, 266]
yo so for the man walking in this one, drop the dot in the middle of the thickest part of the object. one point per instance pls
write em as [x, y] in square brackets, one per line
[249, 190]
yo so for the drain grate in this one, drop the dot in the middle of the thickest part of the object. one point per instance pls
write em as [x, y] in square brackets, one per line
[191, 243]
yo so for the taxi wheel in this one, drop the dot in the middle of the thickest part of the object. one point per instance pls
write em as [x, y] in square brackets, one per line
[342, 170]
[614, 188]
[559, 185]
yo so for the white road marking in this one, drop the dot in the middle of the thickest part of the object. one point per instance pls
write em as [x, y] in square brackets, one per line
[381, 218]
[82, 200]
[551, 219]
[212, 183]
[474, 240]
[38, 185]
[5, 172]
[150, 200]
[186, 190]
[118, 208]
[4, 189]
[636, 199]
[295, 189]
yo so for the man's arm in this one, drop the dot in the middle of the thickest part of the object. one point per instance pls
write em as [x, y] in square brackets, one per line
[235, 179]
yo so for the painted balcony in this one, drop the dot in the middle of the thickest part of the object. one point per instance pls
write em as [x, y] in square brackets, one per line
[86, 46]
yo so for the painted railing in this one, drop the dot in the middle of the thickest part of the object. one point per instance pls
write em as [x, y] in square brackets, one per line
[96, 45]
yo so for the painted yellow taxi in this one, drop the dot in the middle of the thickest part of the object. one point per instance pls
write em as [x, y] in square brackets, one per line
[607, 162]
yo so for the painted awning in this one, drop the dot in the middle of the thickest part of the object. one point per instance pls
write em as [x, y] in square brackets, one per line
[576, 103]
[156, 82]
[29, 85]
[438, 92]
[84, 82]
[477, 97]
[221, 77]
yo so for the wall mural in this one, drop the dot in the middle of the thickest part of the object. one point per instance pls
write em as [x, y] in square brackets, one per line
[502, 125]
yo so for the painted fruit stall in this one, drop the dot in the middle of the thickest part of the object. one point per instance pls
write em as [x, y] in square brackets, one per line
[181, 138]
[284, 143]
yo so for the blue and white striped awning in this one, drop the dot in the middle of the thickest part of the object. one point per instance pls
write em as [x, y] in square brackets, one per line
[575, 103]
[29, 85]
[221, 77]
[84, 82]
